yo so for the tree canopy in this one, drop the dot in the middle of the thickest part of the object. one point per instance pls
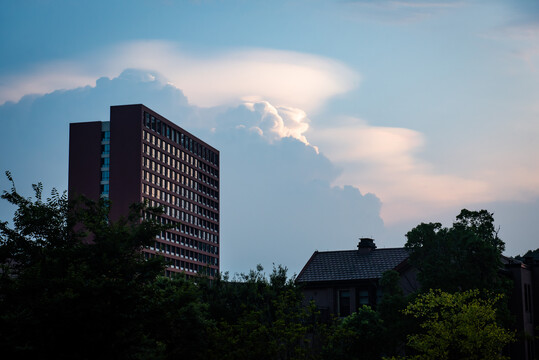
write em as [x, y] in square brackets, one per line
[75, 285]
[462, 257]
[457, 326]
[530, 254]
[62, 297]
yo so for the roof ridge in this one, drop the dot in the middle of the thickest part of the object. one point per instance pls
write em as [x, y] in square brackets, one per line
[352, 250]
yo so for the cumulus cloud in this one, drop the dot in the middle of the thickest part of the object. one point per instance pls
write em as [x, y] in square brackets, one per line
[276, 122]
[277, 202]
[284, 78]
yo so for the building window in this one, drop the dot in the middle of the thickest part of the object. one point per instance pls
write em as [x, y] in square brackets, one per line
[105, 149]
[344, 303]
[105, 162]
[105, 176]
[147, 122]
[363, 297]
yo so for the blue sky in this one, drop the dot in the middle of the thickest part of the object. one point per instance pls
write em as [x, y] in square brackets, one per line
[370, 116]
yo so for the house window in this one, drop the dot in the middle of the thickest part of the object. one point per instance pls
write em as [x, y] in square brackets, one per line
[379, 295]
[363, 297]
[344, 302]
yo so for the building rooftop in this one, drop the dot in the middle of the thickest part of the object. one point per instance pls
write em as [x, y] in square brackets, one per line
[351, 264]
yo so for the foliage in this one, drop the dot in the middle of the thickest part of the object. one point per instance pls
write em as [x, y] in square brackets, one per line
[260, 318]
[177, 318]
[465, 256]
[74, 285]
[82, 294]
[533, 255]
[457, 326]
[391, 308]
[361, 335]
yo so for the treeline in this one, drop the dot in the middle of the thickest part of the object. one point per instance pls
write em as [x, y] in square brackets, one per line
[74, 285]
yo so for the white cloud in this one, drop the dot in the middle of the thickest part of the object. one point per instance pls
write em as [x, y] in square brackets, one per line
[284, 78]
[276, 122]
[275, 194]
[44, 79]
[361, 142]
[385, 161]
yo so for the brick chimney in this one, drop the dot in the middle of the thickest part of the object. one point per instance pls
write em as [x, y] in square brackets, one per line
[365, 245]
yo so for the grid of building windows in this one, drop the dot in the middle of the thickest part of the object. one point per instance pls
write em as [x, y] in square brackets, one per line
[140, 156]
[181, 175]
[105, 159]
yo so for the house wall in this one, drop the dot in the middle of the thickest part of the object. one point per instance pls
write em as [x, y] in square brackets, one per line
[322, 297]
[521, 305]
[326, 295]
[535, 301]
[408, 280]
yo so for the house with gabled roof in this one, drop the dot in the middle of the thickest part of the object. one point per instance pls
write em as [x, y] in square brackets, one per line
[339, 282]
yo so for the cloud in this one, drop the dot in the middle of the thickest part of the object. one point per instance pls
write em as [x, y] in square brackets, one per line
[386, 161]
[277, 202]
[276, 122]
[284, 78]
[416, 179]
[361, 142]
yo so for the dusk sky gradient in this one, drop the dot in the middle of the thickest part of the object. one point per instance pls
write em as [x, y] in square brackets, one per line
[335, 119]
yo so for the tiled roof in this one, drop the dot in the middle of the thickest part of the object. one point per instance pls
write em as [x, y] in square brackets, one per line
[351, 264]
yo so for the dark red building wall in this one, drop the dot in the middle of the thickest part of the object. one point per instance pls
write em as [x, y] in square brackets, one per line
[125, 158]
[84, 159]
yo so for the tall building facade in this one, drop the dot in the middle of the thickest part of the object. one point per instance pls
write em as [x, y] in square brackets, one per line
[139, 156]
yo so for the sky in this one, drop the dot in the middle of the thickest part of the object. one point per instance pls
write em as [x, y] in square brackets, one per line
[335, 119]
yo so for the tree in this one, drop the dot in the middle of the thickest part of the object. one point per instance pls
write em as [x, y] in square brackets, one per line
[457, 326]
[530, 255]
[259, 317]
[465, 256]
[176, 316]
[390, 308]
[360, 335]
[62, 297]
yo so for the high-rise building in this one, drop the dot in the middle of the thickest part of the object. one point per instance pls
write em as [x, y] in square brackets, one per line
[140, 156]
